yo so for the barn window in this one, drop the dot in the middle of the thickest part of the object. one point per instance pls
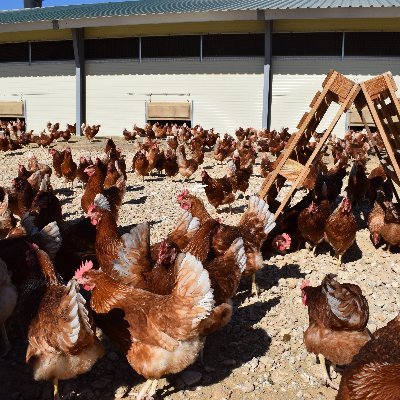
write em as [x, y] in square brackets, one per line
[97, 49]
[52, 51]
[234, 45]
[307, 44]
[171, 46]
[14, 52]
[372, 44]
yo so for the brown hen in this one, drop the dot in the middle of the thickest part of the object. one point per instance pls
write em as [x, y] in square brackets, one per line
[341, 228]
[62, 338]
[163, 330]
[338, 316]
[374, 372]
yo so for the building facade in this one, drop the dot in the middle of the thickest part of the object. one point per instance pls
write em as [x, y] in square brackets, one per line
[234, 63]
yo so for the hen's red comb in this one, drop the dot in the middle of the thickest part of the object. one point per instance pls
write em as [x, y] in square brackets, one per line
[90, 209]
[305, 284]
[85, 267]
[287, 238]
[33, 246]
[183, 195]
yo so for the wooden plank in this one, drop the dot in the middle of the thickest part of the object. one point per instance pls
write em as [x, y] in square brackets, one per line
[297, 136]
[390, 124]
[378, 121]
[315, 98]
[300, 179]
[380, 154]
[390, 171]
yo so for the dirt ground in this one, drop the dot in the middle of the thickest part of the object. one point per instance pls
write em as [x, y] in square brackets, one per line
[260, 354]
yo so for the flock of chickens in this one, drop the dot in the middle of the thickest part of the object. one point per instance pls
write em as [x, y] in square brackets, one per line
[14, 135]
[159, 302]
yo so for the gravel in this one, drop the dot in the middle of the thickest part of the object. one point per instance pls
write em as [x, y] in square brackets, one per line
[260, 354]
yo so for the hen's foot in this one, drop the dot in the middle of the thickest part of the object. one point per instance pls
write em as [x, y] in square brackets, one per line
[327, 377]
[329, 383]
[254, 287]
[315, 251]
[56, 392]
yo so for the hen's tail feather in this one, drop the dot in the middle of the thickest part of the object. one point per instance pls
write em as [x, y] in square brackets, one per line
[49, 238]
[260, 208]
[186, 223]
[133, 253]
[237, 248]
[192, 281]
[72, 313]
[45, 183]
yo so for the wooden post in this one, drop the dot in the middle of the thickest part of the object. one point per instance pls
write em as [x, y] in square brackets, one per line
[80, 77]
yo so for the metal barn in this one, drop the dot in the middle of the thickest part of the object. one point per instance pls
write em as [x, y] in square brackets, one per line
[220, 63]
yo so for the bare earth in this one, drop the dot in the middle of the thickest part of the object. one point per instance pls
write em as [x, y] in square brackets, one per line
[260, 354]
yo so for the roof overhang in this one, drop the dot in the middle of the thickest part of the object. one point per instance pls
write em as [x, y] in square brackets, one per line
[209, 16]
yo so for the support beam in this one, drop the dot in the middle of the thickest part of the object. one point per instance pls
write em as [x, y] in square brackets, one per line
[267, 91]
[80, 78]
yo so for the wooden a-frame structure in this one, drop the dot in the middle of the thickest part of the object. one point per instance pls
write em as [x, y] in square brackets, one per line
[377, 95]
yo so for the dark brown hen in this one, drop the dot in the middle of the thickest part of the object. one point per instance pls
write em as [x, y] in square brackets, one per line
[374, 372]
[338, 316]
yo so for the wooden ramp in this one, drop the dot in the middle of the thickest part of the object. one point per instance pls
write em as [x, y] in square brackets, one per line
[290, 166]
[378, 96]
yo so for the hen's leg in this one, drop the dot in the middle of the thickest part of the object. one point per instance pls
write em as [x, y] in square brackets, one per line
[5, 340]
[230, 209]
[254, 288]
[326, 375]
[56, 392]
[315, 250]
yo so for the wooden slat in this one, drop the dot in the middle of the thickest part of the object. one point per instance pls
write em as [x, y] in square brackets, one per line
[381, 154]
[315, 98]
[297, 136]
[389, 170]
[344, 106]
[390, 124]
[375, 91]
[337, 88]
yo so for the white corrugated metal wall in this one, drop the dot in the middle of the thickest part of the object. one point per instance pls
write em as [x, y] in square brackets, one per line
[47, 88]
[297, 79]
[226, 93]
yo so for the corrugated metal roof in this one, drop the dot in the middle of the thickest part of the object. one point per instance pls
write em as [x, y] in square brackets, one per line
[145, 7]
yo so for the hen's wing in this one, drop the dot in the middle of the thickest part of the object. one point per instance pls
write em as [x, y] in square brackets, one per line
[115, 194]
[7, 220]
[225, 271]
[49, 238]
[200, 244]
[184, 230]
[160, 320]
[35, 180]
[62, 323]
[257, 221]
[134, 255]
[348, 306]
[375, 381]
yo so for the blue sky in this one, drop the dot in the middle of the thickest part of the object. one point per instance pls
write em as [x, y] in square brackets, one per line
[14, 4]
